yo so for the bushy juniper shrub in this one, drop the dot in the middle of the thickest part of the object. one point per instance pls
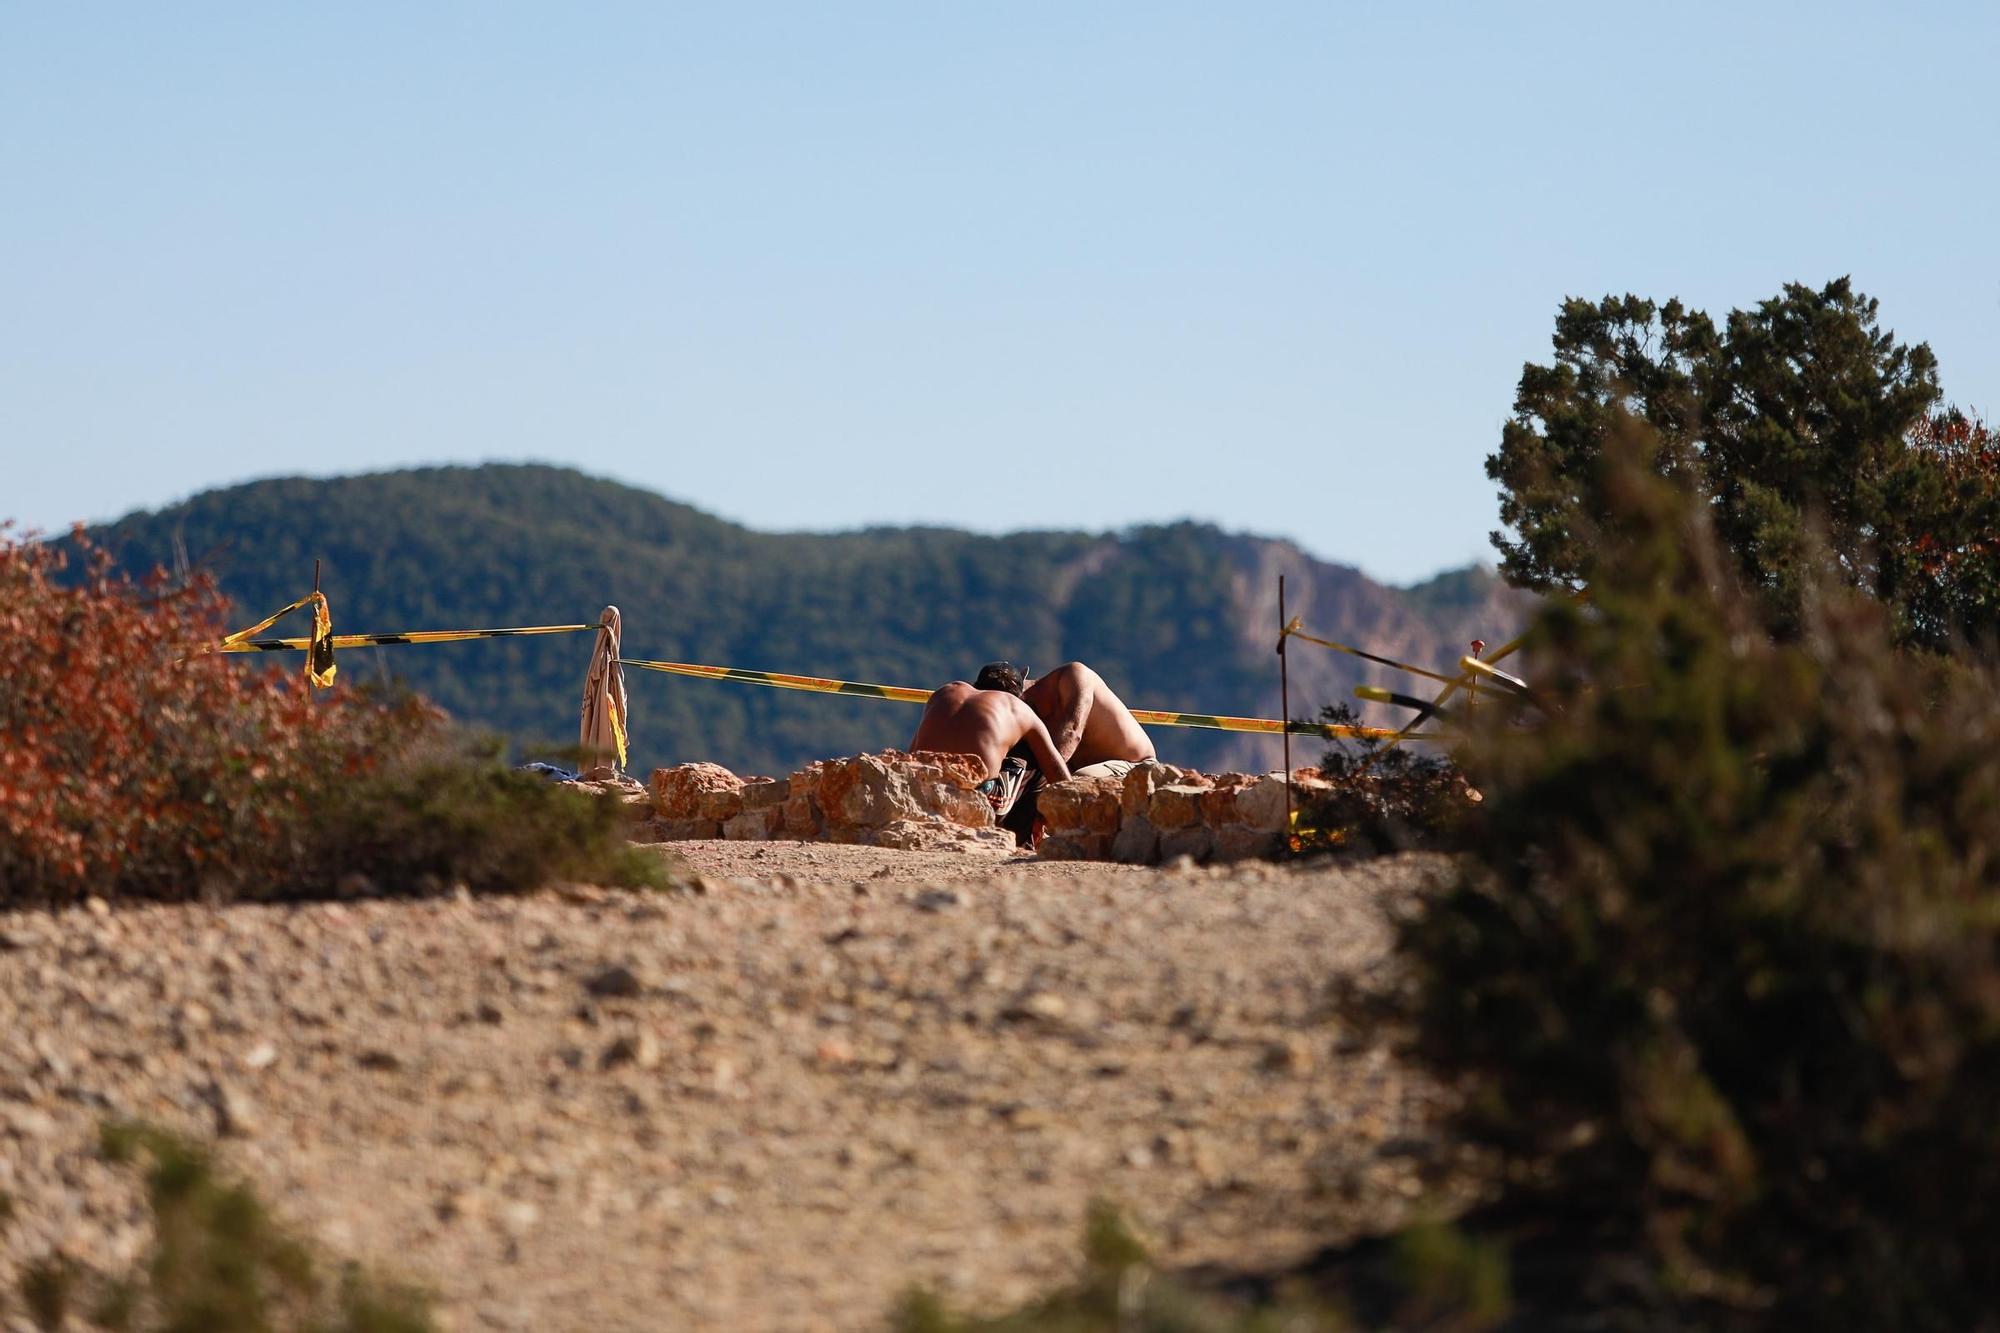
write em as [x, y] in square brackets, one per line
[219, 1263]
[443, 810]
[1382, 797]
[1722, 970]
[132, 764]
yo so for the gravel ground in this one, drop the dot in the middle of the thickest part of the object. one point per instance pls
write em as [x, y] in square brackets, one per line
[773, 1101]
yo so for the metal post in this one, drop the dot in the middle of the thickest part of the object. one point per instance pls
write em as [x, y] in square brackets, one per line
[1285, 706]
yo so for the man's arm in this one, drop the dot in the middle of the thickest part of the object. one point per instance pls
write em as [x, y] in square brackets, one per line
[1047, 757]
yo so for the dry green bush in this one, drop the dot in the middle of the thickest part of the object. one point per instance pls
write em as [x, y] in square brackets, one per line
[219, 1263]
[1120, 1292]
[1383, 798]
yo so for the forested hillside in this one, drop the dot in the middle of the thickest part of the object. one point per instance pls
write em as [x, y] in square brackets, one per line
[1181, 616]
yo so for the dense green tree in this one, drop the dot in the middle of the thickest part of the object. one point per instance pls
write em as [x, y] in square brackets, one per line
[1806, 427]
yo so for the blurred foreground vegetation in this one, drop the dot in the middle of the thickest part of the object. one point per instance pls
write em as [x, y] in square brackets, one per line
[219, 1263]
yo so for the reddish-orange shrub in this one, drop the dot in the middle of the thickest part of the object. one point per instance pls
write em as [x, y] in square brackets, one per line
[131, 763]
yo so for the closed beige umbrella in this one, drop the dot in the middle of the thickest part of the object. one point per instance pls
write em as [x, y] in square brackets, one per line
[604, 701]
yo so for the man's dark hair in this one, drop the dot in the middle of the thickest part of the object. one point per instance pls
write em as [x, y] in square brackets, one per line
[1000, 676]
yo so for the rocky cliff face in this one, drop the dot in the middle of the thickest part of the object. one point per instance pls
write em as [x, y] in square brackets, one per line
[1429, 626]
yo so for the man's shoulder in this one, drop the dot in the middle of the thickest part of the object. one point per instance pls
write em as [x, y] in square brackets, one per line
[1064, 680]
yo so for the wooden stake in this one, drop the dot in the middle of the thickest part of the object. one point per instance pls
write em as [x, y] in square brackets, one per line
[1285, 707]
[309, 656]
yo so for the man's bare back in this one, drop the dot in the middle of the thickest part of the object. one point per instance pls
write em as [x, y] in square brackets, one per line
[986, 724]
[1088, 723]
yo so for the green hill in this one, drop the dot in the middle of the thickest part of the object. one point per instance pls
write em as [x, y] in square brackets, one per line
[1177, 616]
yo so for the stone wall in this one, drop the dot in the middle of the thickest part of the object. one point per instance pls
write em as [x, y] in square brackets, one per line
[889, 799]
[1158, 812]
[1155, 813]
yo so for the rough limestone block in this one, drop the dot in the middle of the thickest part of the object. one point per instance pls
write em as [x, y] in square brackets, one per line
[1218, 803]
[765, 794]
[1240, 842]
[1076, 846]
[936, 834]
[1089, 804]
[1176, 806]
[1196, 840]
[874, 790]
[1262, 804]
[968, 809]
[947, 785]
[803, 818]
[754, 825]
[1140, 784]
[720, 805]
[866, 791]
[1137, 842]
[679, 792]
[685, 830]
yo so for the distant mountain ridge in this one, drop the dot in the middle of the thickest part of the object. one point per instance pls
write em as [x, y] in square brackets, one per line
[1179, 616]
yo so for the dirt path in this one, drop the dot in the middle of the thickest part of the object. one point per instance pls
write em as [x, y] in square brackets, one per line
[772, 1103]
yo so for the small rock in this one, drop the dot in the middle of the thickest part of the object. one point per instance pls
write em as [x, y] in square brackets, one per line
[638, 1049]
[1028, 1117]
[25, 1121]
[261, 1056]
[1036, 1006]
[379, 1059]
[235, 1114]
[1291, 1055]
[458, 1202]
[937, 900]
[616, 981]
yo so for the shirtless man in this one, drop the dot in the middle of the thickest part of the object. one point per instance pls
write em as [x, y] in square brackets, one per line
[986, 724]
[1091, 727]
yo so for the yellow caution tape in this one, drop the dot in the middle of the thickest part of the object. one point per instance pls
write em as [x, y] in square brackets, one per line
[1271, 726]
[1292, 630]
[240, 635]
[1473, 666]
[240, 643]
[1378, 695]
[1499, 654]
[779, 680]
[236, 644]
[319, 645]
[906, 694]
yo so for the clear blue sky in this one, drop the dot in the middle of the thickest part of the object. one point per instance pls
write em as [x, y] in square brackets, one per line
[984, 265]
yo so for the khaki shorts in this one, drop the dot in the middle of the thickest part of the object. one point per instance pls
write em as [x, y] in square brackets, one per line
[1106, 768]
